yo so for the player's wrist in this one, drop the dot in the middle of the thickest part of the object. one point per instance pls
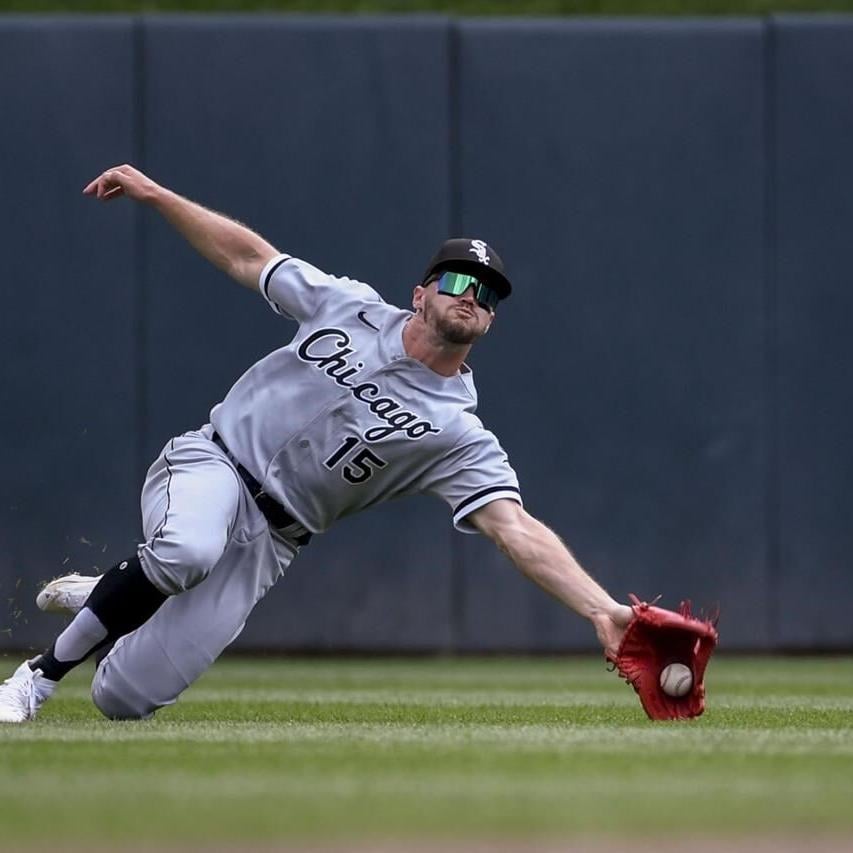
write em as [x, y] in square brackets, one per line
[157, 197]
[603, 606]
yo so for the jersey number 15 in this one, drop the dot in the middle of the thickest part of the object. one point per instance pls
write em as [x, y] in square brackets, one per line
[362, 463]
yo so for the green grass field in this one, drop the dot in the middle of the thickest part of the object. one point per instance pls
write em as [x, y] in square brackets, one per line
[351, 751]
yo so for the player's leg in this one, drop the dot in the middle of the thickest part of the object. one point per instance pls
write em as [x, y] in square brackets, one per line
[152, 666]
[122, 600]
[190, 500]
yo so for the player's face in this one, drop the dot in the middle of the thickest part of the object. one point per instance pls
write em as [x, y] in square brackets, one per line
[455, 319]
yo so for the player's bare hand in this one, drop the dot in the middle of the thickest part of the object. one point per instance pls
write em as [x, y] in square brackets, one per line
[122, 180]
[610, 627]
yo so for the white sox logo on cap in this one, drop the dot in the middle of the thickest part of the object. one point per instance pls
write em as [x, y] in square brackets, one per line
[480, 249]
[455, 255]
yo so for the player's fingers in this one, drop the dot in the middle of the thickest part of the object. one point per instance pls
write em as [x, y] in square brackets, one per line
[109, 182]
[95, 187]
[114, 183]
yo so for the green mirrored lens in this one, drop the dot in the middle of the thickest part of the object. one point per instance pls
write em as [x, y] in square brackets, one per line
[456, 283]
[487, 297]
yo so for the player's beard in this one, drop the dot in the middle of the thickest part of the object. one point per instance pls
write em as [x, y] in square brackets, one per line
[455, 330]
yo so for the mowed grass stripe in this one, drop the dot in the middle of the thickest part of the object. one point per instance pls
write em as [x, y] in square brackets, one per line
[554, 739]
[806, 675]
[282, 750]
[433, 783]
[462, 698]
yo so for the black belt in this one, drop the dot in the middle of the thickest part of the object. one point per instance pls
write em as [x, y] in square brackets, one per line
[272, 510]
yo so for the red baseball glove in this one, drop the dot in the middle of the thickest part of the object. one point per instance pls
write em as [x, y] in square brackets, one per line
[655, 638]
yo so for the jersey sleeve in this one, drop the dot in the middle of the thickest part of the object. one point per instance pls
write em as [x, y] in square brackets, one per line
[475, 473]
[297, 290]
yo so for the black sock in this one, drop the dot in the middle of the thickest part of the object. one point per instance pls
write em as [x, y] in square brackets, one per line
[123, 599]
[51, 667]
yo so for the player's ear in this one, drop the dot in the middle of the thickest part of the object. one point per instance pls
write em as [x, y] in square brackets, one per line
[418, 297]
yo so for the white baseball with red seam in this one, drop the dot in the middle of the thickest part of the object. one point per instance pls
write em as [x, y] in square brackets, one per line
[676, 680]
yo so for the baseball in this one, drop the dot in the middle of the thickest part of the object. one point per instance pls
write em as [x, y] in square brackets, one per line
[676, 679]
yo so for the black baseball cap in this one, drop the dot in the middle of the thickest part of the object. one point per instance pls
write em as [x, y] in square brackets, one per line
[475, 257]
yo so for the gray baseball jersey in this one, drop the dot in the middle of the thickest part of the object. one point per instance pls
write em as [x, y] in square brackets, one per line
[341, 418]
[336, 421]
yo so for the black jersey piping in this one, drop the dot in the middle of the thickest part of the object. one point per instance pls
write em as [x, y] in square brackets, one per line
[482, 493]
[266, 285]
[162, 526]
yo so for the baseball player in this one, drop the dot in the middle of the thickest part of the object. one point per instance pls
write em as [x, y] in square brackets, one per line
[367, 403]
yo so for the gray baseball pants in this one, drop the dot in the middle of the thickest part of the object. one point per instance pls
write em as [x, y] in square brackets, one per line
[210, 549]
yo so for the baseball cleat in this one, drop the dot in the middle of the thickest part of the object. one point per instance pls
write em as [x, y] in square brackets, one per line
[23, 694]
[67, 594]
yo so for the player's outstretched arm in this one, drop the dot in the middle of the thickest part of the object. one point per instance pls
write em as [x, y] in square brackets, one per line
[231, 246]
[541, 555]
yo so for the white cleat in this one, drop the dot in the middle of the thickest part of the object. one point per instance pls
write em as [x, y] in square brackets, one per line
[67, 594]
[23, 694]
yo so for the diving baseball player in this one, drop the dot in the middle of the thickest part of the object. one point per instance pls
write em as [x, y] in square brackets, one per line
[368, 402]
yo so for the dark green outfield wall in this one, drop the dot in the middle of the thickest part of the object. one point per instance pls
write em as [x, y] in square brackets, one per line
[673, 198]
[515, 8]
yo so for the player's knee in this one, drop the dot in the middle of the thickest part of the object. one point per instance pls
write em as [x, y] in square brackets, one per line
[178, 568]
[197, 561]
[117, 700]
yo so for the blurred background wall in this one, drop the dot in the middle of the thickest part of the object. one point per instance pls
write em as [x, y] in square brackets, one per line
[674, 203]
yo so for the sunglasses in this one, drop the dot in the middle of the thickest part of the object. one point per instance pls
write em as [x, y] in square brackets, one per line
[457, 283]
